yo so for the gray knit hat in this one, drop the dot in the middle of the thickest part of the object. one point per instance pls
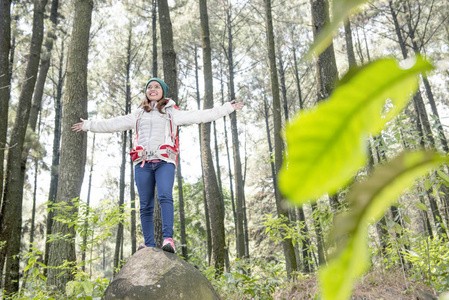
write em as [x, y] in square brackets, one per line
[163, 85]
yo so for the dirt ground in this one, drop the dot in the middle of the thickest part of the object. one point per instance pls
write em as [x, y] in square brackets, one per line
[375, 285]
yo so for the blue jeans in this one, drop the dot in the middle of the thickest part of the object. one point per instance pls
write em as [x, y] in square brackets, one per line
[162, 175]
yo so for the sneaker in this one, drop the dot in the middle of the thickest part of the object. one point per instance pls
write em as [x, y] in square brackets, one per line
[169, 245]
[141, 247]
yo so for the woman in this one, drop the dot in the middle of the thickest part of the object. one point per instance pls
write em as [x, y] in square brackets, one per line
[156, 123]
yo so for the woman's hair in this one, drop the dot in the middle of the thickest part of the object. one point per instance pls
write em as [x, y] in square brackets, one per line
[160, 105]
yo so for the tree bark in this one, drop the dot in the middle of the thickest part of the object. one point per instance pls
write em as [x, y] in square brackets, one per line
[349, 44]
[154, 23]
[33, 210]
[132, 202]
[54, 173]
[5, 80]
[182, 219]
[240, 193]
[326, 77]
[213, 198]
[39, 91]
[283, 85]
[206, 210]
[289, 251]
[119, 237]
[228, 155]
[297, 81]
[86, 221]
[326, 66]
[73, 149]
[130, 139]
[11, 210]
[168, 51]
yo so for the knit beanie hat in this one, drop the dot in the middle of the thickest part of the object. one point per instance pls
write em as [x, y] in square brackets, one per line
[163, 85]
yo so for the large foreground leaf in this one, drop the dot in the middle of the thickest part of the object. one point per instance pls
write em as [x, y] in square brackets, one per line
[368, 202]
[327, 145]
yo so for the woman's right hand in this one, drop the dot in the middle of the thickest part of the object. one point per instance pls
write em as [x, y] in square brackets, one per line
[78, 126]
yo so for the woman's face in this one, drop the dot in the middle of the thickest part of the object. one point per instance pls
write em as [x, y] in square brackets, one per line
[154, 91]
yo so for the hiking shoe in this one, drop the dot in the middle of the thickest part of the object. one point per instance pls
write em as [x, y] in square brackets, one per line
[169, 245]
[141, 247]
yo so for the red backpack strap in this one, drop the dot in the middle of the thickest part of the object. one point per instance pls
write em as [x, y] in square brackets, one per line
[174, 133]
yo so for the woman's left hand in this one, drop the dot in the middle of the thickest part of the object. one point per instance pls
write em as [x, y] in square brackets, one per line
[236, 105]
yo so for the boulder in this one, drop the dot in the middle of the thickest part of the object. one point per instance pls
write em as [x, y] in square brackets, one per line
[152, 273]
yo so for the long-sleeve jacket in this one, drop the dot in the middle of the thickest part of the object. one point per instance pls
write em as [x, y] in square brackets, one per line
[155, 131]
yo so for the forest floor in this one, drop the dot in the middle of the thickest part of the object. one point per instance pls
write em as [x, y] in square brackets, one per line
[374, 285]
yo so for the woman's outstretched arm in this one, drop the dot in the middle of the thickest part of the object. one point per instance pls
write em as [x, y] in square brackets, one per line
[116, 124]
[205, 115]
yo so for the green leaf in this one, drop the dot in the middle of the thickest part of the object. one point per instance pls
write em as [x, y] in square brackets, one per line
[421, 206]
[444, 177]
[368, 202]
[341, 10]
[407, 219]
[327, 144]
[427, 185]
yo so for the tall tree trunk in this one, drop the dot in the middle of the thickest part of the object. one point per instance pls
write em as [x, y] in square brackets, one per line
[305, 243]
[154, 31]
[326, 77]
[270, 146]
[11, 211]
[217, 161]
[36, 171]
[206, 210]
[132, 202]
[33, 209]
[283, 85]
[5, 81]
[73, 147]
[119, 237]
[120, 234]
[38, 95]
[213, 198]
[297, 81]
[289, 251]
[168, 50]
[182, 219]
[349, 45]
[86, 221]
[326, 66]
[54, 173]
[228, 155]
[240, 193]
[381, 225]
[127, 111]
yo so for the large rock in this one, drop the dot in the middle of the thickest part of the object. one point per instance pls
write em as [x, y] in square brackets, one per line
[155, 274]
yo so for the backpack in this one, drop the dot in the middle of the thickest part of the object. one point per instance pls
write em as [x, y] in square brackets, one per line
[138, 153]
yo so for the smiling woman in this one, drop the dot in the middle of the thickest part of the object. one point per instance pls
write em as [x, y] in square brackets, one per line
[155, 151]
